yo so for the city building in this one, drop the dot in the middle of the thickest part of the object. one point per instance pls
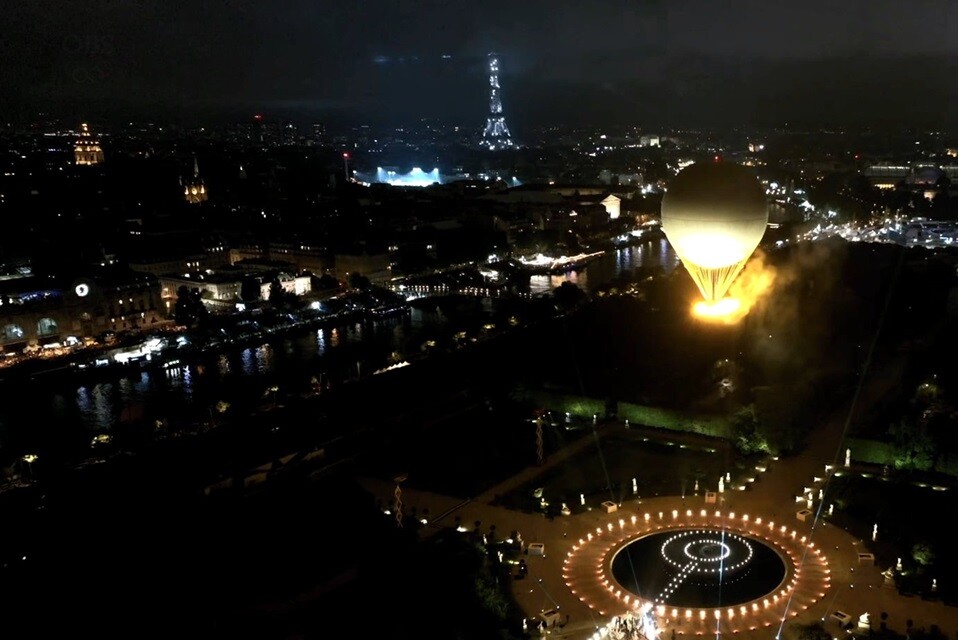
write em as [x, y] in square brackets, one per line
[179, 261]
[214, 286]
[222, 289]
[375, 266]
[650, 141]
[38, 311]
[613, 206]
[928, 179]
[87, 150]
[194, 189]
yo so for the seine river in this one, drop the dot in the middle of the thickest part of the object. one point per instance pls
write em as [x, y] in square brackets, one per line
[69, 411]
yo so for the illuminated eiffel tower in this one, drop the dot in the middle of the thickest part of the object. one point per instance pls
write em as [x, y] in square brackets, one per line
[496, 134]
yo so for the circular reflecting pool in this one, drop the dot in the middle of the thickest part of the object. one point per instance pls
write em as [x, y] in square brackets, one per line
[699, 568]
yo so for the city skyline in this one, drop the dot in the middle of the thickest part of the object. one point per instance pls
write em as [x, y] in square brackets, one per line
[600, 321]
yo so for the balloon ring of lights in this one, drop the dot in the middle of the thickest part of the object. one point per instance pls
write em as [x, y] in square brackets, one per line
[700, 549]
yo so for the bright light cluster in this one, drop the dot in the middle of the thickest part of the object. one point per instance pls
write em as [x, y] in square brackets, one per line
[694, 558]
[586, 569]
[415, 178]
[724, 310]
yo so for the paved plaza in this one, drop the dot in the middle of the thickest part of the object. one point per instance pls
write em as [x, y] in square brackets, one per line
[826, 572]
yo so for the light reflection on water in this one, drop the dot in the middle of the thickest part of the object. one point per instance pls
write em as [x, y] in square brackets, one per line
[540, 284]
[320, 342]
[95, 405]
[186, 382]
[66, 407]
[606, 267]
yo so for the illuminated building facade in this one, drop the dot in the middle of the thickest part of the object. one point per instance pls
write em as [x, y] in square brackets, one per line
[87, 150]
[374, 266]
[36, 313]
[496, 134]
[194, 191]
[926, 178]
[613, 206]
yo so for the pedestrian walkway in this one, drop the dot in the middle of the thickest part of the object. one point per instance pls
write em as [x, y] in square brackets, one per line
[781, 489]
[529, 473]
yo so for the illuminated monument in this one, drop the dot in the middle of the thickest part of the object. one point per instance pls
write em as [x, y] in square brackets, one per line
[194, 190]
[87, 149]
[496, 134]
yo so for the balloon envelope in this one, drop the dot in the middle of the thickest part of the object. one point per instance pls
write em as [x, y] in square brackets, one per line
[714, 215]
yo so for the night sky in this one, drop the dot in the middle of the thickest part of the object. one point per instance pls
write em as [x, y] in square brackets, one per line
[601, 61]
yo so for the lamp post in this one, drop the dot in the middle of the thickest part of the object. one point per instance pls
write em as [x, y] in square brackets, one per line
[30, 458]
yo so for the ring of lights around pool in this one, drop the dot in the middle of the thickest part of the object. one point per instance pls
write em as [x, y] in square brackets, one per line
[707, 540]
[698, 568]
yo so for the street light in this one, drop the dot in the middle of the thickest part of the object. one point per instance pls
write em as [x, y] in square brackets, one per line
[30, 458]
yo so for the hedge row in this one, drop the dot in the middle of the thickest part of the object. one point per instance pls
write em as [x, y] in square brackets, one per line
[656, 417]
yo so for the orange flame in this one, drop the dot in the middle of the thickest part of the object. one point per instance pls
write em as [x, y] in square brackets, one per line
[753, 283]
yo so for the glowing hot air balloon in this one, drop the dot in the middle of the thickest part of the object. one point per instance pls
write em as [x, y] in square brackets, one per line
[714, 215]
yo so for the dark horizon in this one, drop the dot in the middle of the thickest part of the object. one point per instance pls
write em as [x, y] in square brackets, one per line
[699, 91]
[387, 62]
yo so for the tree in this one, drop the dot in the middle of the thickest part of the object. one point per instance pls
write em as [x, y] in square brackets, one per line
[747, 431]
[277, 295]
[324, 282]
[923, 554]
[189, 309]
[781, 412]
[358, 281]
[568, 296]
[250, 289]
[914, 449]
[926, 393]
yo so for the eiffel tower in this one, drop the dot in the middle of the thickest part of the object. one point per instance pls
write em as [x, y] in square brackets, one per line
[496, 134]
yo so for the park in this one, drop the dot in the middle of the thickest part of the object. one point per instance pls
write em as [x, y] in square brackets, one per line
[822, 417]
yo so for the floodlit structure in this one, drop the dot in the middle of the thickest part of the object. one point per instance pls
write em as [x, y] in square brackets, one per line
[194, 190]
[87, 150]
[414, 178]
[496, 134]
[714, 215]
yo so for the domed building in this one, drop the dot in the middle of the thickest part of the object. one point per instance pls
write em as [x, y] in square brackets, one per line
[928, 180]
[87, 150]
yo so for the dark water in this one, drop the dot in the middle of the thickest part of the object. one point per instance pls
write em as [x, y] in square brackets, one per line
[47, 413]
[653, 253]
[47, 410]
[698, 568]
